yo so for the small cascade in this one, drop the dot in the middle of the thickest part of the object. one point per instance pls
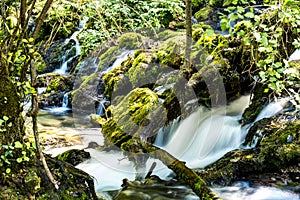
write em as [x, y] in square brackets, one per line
[120, 59]
[101, 107]
[64, 67]
[65, 102]
[207, 135]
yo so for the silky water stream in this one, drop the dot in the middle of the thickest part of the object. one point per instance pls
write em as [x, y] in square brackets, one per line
[202, 138]
[199, 140]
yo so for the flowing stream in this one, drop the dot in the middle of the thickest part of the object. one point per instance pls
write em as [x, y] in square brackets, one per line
[199, 140]
[197, 149]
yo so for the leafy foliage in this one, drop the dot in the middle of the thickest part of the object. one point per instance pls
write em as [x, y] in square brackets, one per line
[108, 18]
[270, 36]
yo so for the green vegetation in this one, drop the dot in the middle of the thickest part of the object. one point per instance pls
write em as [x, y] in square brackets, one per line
[270, 44]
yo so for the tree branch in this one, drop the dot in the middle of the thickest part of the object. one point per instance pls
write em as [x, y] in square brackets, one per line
[33, 113]
[41, 18]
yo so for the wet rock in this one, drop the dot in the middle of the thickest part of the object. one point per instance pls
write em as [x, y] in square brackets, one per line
[74, 156]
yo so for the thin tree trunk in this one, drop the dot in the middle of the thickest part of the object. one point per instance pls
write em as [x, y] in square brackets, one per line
[188, 18]
[42, 18]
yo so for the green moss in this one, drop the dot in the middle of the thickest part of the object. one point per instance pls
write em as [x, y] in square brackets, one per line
[74, 156]
[166, 34]
[276, 151]
[203, 14]
[32, 182]
[111, 79]
[130, 40]
[198, 4]
[40, 64]
[171, 52]
[257, 103]
[128, 116]
[60, 83]
[143, 71]
[107, 58]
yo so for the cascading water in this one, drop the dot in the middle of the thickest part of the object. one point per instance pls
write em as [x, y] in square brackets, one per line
[207, 135]
[65, 102]
[200, 139]
[124, 55]
[64, 67]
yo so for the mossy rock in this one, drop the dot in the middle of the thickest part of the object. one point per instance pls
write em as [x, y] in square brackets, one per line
[130, 41]
[166, 34]
[210, 81]
[198, 4]
[116, 82]
[171, 52]
[257, 103]
[108, 57]
[74, 156]
[40, 64]
[131, 117]
[84, 97]
[61, 83]
[144, 71]
[132, 112]
[204, 13]
[199, 29]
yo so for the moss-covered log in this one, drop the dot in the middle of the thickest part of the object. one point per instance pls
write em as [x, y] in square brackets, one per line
[190, 178]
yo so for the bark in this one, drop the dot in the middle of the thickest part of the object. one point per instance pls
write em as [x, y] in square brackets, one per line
[10, 107]
[42, 17]
[188, 18]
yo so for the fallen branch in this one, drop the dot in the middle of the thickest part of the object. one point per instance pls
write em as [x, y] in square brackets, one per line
[196, 183]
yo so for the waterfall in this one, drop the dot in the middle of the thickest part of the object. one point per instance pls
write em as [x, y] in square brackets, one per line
[64, 67]
[100, 109]
[65, 102]
[120, 59]
[206, 135]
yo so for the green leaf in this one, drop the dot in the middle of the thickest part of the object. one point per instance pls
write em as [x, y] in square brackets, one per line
[10, 124]
[5, 118]
[26, 158]
[8, 170]
[19, 160]
[18, 145]
[262, 74]
[209, 32]
[264, 41]
[249, 15]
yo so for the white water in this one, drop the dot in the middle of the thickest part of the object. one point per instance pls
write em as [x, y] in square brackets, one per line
[65, 102]
[100, 110]
[120, 59]
[242, 191]
[207, 135]
[64, 67]
[110, 168]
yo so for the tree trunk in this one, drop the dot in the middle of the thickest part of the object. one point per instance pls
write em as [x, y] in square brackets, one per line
[188, 19]
[11, 129]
